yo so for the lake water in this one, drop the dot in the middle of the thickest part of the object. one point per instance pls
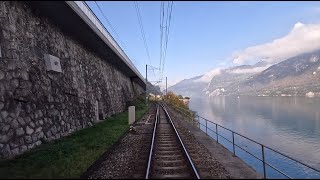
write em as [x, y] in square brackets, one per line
[290, 125]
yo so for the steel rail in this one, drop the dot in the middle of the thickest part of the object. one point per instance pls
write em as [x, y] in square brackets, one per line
[184, 148]
[152, 143]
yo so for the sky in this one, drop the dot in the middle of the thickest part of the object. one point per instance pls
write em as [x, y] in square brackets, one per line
[206, 36]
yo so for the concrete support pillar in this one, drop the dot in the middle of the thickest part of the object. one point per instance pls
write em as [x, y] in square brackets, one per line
[132, 114]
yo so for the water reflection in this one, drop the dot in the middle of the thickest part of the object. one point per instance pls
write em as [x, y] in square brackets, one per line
[288, 124]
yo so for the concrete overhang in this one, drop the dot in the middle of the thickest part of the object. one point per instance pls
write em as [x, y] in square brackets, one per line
[77, 20]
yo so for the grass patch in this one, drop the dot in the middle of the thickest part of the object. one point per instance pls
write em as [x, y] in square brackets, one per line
[70, 156]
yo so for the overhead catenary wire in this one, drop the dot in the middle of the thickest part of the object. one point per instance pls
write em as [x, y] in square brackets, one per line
[162, 37]
[142, 30]
[164, 33]
[168, 29]
[161, 33]
[167, 33]
[105, 17]
[164, 40]
[112, 28]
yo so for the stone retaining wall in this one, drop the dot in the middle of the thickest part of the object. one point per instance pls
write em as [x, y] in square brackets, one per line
[37, 105]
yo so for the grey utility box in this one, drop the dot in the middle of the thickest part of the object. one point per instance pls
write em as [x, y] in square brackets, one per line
[132, 114]
[52, 63]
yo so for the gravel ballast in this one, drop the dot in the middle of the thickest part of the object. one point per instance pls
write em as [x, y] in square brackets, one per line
[128, 158]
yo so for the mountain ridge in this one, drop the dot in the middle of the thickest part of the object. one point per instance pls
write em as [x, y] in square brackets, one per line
[295, 76]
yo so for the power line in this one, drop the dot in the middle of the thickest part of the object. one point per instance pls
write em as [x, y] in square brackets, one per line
[161, 32]
[164, 34]
[167, 33]
[162, 37]
[142, 30]
[165, 41]
[112, 28]
[168, 29]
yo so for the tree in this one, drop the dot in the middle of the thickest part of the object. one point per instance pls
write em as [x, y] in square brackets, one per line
[175, 100]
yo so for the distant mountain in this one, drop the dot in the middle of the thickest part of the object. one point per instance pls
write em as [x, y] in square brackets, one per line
[228, 80]
[153, 89]
[295, 76]
[216, 81]
[189, 87]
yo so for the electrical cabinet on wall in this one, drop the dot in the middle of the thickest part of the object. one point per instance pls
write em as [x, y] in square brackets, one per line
[52, 63]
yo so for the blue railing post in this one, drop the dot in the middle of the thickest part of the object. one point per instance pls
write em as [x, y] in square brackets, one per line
[217, 133]
[234, 150]
[197, 120]
[206, 127]
[263, 147]
[264, 163]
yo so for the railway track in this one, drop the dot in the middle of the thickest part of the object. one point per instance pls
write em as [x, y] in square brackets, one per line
[168, 157]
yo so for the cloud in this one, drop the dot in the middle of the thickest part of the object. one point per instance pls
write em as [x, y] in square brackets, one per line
[301, 39]
[209, 75]
[249, 70]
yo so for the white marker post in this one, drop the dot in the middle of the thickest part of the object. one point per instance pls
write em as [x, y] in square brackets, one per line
[132, 114]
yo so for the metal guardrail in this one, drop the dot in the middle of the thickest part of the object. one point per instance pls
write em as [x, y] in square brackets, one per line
[263, 147]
